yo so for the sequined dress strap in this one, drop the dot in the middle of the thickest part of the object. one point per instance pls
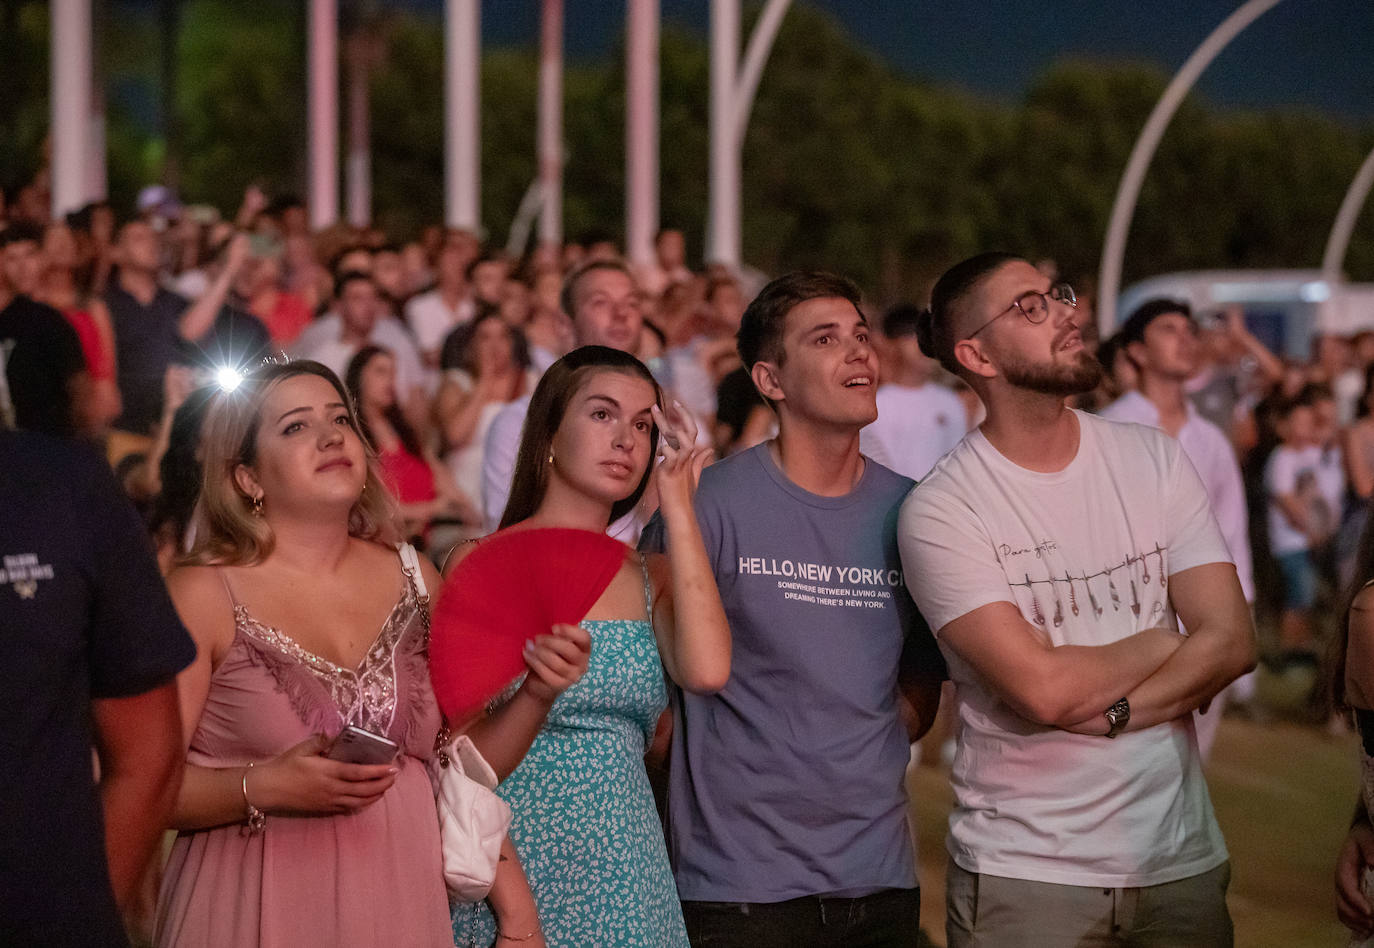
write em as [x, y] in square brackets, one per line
[648, 590]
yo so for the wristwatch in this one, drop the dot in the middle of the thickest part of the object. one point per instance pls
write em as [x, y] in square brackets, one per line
[1118, 716]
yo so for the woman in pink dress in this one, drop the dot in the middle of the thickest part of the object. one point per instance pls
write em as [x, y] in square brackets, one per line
[306, 621]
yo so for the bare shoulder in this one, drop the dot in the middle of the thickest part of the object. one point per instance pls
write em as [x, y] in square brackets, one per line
[202, 601]
[197, 587]
[456, 555]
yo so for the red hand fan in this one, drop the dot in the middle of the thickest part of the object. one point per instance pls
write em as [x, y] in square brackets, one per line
[514, 586]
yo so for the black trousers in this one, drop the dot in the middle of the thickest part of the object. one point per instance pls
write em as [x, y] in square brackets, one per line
[887, 919]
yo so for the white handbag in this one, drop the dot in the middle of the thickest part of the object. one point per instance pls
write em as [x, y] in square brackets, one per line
[473, 820]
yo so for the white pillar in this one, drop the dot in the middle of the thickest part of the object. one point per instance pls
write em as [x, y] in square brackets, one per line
[1123, 207]
[97, 186]
[641, 131]
[70, 95]
[550, 145]
[755, 56]
[323, 111]
[359, 166]
[462, 132]
[722, 236]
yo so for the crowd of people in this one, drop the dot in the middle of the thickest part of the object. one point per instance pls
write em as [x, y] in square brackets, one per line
[294, 415]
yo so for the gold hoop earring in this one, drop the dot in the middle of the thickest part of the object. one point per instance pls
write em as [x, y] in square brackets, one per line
[550, 457]
[257, 505]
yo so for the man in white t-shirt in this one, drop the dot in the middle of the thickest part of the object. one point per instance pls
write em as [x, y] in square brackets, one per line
[357, 321]
[607, 310]
[436, 313]
[1160, 339]
[918, 420]
[1055, 554]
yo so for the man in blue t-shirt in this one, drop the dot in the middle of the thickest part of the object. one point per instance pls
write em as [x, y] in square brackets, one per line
[787, 809]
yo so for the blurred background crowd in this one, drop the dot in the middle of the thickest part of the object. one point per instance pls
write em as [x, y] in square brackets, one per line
[146, 313]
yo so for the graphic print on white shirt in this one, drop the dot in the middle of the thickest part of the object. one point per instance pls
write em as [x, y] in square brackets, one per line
[1134, 571]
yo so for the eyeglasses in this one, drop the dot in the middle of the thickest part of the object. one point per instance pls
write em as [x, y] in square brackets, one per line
[1034, 306]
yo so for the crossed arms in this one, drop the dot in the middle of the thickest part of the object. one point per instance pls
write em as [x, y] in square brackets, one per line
[1162, 674]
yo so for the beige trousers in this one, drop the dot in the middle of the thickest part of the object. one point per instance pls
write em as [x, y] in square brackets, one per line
[986, 911]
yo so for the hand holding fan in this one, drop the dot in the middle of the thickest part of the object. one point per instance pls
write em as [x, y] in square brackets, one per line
[513, 587]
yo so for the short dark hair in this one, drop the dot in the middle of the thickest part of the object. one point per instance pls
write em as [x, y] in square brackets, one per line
[1133, 329]
[901, 320]
[565, 297]
[18, 232]
[761, 327]
[44, 358]
[936, 332]
[351, 276]
[1108, 350]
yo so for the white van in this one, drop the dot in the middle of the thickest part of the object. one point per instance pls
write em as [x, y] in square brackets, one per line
[1284, 308]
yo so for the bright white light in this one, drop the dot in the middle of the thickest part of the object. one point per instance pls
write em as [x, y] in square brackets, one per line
[228, 378]
[1315, 292]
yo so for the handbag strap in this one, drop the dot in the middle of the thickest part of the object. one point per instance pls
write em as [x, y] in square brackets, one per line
[410, 565]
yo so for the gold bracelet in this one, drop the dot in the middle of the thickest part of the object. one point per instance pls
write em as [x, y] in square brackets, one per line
[500, 934]
[256, 819]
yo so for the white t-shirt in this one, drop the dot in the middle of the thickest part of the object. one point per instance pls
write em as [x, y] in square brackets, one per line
[915, 428]
[323, 341]
[431, 319]
[1314, 477]
[1215, 461]
[1083, 554]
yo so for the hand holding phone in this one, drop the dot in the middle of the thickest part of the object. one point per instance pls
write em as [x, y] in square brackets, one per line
[357, 746]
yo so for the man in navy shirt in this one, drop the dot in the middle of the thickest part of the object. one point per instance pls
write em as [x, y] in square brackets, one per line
[91, 648]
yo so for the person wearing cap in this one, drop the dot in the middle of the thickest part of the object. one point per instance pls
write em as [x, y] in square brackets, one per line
[1055, 553]
[918, 420]
[1160, 339]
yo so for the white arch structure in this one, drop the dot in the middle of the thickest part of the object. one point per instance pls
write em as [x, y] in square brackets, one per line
[1128, 191]
[1333, 259]
[733, 85]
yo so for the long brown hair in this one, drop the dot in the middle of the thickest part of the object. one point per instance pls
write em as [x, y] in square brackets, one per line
[227, 532]
[555, 391]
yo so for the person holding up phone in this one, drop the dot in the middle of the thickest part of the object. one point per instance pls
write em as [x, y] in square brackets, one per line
[571, 752]
[308, 626]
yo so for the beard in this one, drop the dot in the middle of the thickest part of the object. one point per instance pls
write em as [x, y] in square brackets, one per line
[1081, 375]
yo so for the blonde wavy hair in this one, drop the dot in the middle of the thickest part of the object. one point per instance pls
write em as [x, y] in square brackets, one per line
[226, 531]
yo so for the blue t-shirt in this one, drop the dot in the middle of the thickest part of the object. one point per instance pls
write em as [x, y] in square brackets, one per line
[789, 781]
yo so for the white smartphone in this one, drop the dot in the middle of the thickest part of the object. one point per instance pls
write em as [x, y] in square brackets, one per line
[356, 746]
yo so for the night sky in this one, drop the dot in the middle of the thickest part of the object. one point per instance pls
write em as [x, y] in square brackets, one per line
[1312, 53]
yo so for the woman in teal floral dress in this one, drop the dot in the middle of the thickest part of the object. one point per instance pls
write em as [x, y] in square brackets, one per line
[584, 819]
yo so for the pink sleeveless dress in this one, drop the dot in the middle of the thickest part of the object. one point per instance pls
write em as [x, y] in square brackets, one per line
[362, 879]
